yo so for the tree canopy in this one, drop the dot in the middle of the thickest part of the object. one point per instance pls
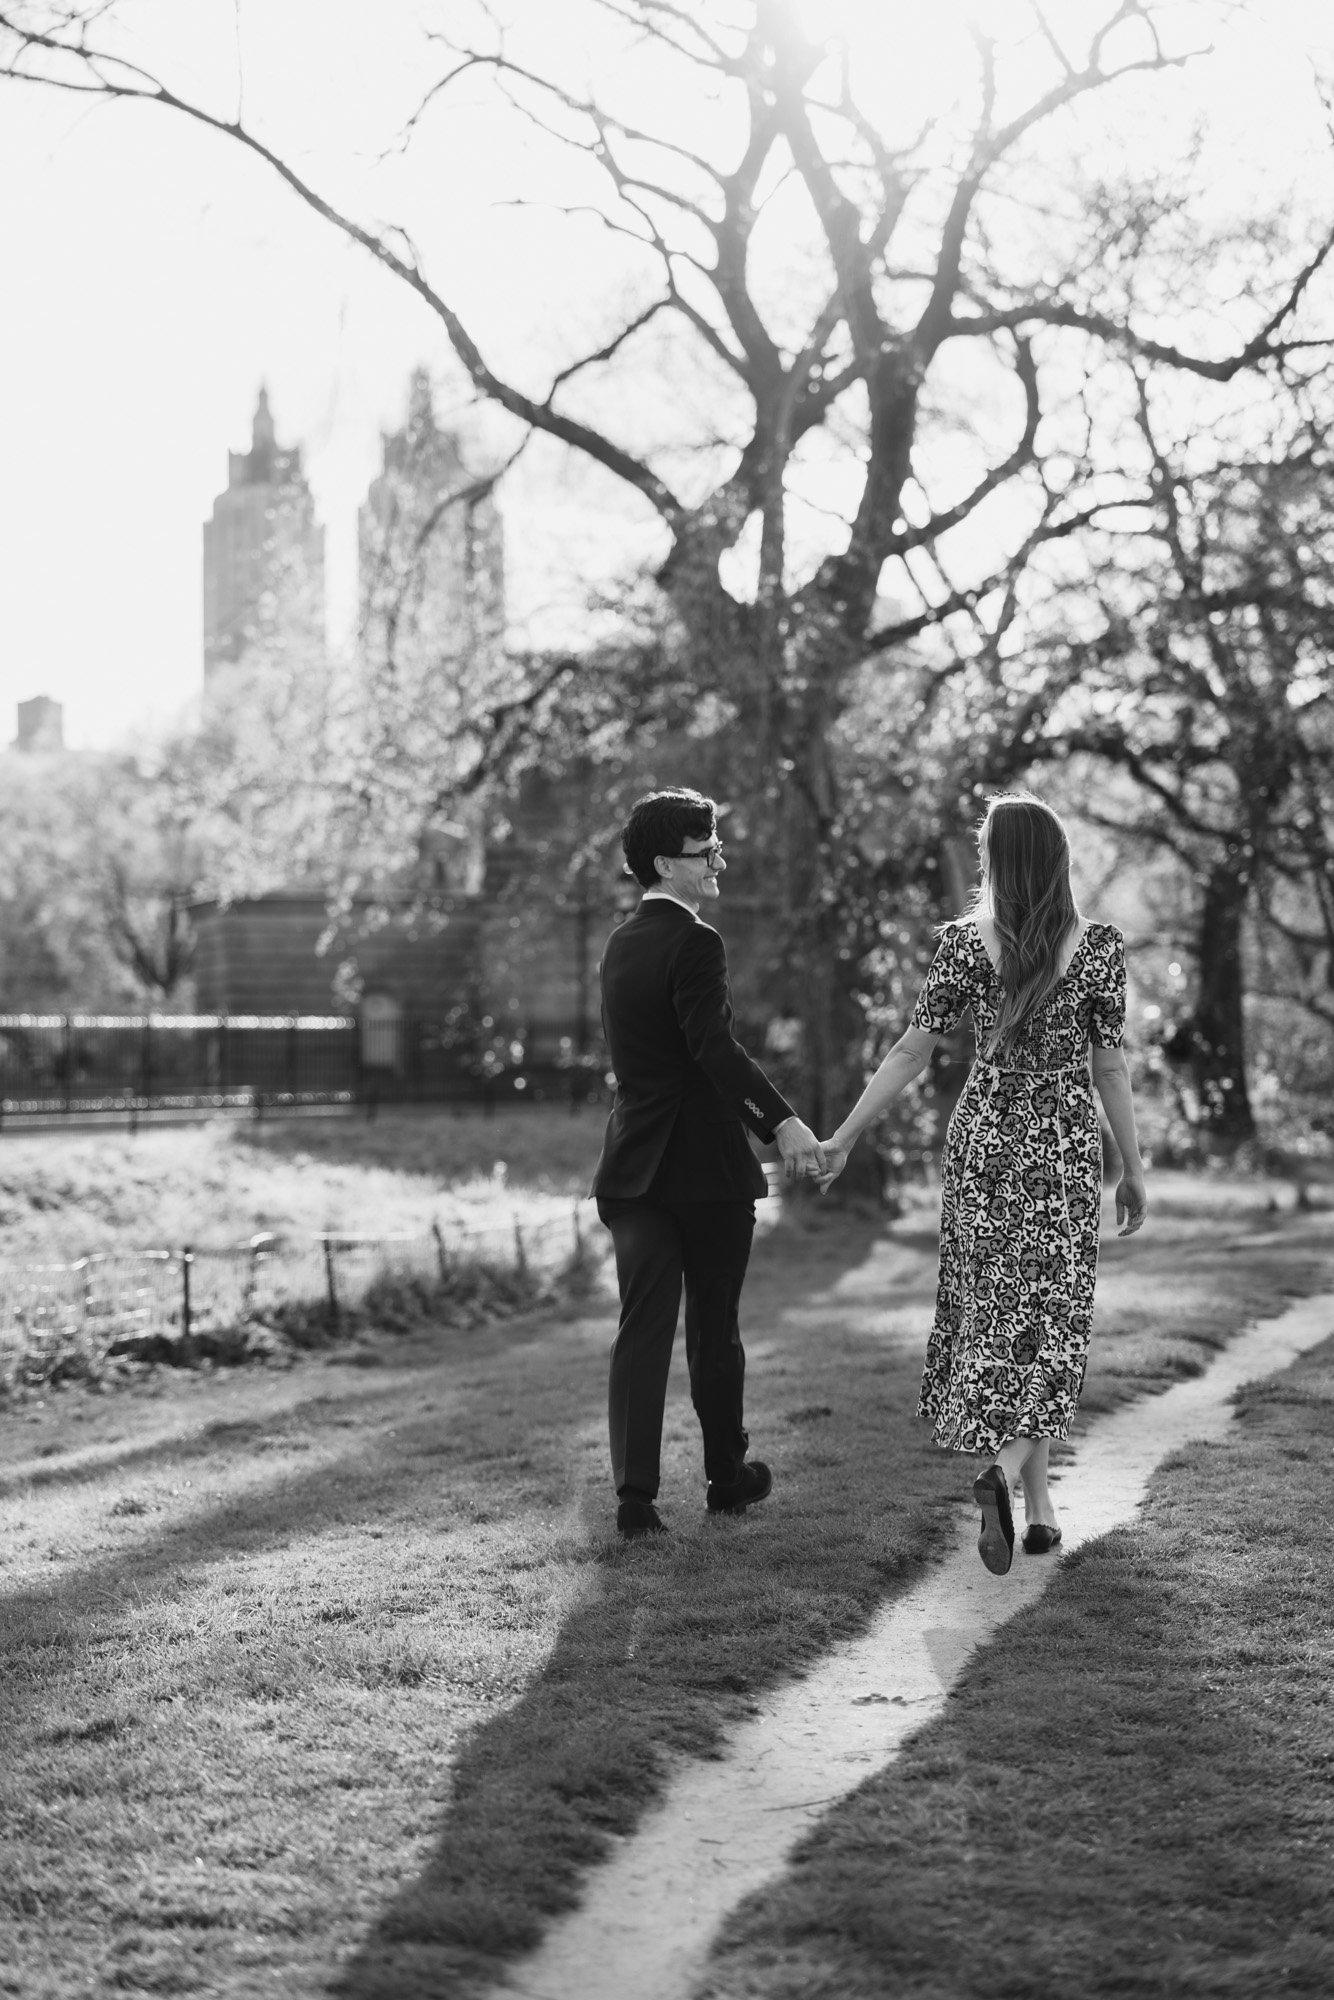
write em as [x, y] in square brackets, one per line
[861, 353]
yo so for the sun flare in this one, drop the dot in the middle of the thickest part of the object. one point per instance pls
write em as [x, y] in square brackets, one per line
[922, 61]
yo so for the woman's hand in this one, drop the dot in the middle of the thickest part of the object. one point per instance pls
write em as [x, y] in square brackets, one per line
[835, 1159]
[1132, 1202]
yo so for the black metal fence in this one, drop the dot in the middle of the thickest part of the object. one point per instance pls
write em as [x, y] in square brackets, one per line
[95, 1064]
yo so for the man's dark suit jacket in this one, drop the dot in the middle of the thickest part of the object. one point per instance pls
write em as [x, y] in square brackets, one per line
[685, 1088]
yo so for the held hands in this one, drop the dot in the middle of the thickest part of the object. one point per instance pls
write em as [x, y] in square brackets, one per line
[1132, 1203]
[835, 1159]
[801, 1151]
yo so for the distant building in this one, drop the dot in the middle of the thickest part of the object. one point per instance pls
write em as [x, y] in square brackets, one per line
[533, 987]
[41, 725]
[263, 553]
[521, 968]
[432, 598]
[431, 552]
[261, 955]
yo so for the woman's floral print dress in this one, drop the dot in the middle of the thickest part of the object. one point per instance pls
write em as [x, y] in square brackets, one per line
[1021, 1194]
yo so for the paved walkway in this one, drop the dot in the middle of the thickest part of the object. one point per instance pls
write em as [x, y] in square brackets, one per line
[652, 1911]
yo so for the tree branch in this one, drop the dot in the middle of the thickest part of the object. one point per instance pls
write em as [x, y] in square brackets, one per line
[937, 321]
[609, 348]
[1026, 369]
[140, 87]
[1055, 312]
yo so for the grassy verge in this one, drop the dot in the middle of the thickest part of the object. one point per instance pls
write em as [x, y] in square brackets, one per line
[548, 1148]
[1213, 1258]
[438, 1227]
[1132, 1792]
[65, 1194]
[340, 1678]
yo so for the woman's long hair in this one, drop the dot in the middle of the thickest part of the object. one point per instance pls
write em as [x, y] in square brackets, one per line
[1025, 890]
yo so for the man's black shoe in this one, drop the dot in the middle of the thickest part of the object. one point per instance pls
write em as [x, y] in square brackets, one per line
[754, 1483]
[638, 1517]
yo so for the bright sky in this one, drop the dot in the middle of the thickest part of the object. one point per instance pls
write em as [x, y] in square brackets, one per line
[153, 279]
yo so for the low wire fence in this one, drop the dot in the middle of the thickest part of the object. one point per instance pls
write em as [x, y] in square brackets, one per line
[80, 1065]
[185, 1304]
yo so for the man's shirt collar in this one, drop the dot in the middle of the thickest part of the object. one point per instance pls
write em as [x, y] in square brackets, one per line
[666, 896]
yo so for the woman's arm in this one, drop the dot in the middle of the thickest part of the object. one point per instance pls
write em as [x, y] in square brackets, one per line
[1111, 1074]
[907, 1059]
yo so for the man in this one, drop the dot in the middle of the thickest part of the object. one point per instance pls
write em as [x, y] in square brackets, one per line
[677, 1181]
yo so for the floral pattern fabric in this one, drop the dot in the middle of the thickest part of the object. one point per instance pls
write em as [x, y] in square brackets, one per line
[1021, 1196]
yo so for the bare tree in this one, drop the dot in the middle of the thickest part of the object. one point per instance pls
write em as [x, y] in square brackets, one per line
[901, 275]
[1208, 684]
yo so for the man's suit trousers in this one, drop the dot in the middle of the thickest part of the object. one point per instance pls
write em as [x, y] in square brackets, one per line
[661, 1247]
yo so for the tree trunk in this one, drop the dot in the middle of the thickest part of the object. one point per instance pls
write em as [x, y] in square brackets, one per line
[788, 690]
[827, 947]
[1214, 1037]
[833, 1034]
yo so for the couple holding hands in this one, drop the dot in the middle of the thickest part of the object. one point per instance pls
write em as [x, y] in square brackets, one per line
[1021, 1169]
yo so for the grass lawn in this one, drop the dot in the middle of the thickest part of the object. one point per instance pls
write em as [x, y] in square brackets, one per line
[337, 1678]
[1132, 1793]
[64, 1194]
[498, 1197]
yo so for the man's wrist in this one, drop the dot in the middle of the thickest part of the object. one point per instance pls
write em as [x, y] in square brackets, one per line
[783, 1123]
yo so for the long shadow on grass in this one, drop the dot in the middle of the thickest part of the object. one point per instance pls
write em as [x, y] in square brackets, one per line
[670, 1648]
[391, 1358]
[668, 1644]
[395, 1461]
[383, 1473]
[1129, 1792]
[671, 1645]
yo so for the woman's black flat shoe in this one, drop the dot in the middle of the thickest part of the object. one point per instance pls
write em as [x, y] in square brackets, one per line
[995, 1544]
[1039, 1538]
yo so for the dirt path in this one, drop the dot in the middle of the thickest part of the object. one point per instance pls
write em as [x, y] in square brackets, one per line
[650, 1914]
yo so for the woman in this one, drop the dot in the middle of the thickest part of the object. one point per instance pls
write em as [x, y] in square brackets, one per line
[1021, 1171]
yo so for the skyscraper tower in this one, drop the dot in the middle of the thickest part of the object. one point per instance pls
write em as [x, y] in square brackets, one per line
[431, 553]
[263, 553]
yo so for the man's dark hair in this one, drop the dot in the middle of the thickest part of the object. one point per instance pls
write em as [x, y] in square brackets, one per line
[658, 824]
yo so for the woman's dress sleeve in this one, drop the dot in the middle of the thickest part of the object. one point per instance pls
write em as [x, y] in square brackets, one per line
[947, 990]
[1107, 1014]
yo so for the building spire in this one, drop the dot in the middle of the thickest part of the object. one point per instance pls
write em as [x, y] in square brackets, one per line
[262, 433]
[421, 406]
[263, 551]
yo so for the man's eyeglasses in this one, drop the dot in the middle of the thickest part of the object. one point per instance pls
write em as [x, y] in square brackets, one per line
[708, 855]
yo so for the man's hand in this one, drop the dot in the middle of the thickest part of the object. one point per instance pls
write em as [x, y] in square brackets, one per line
[801, 1150]
[835, 1159]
